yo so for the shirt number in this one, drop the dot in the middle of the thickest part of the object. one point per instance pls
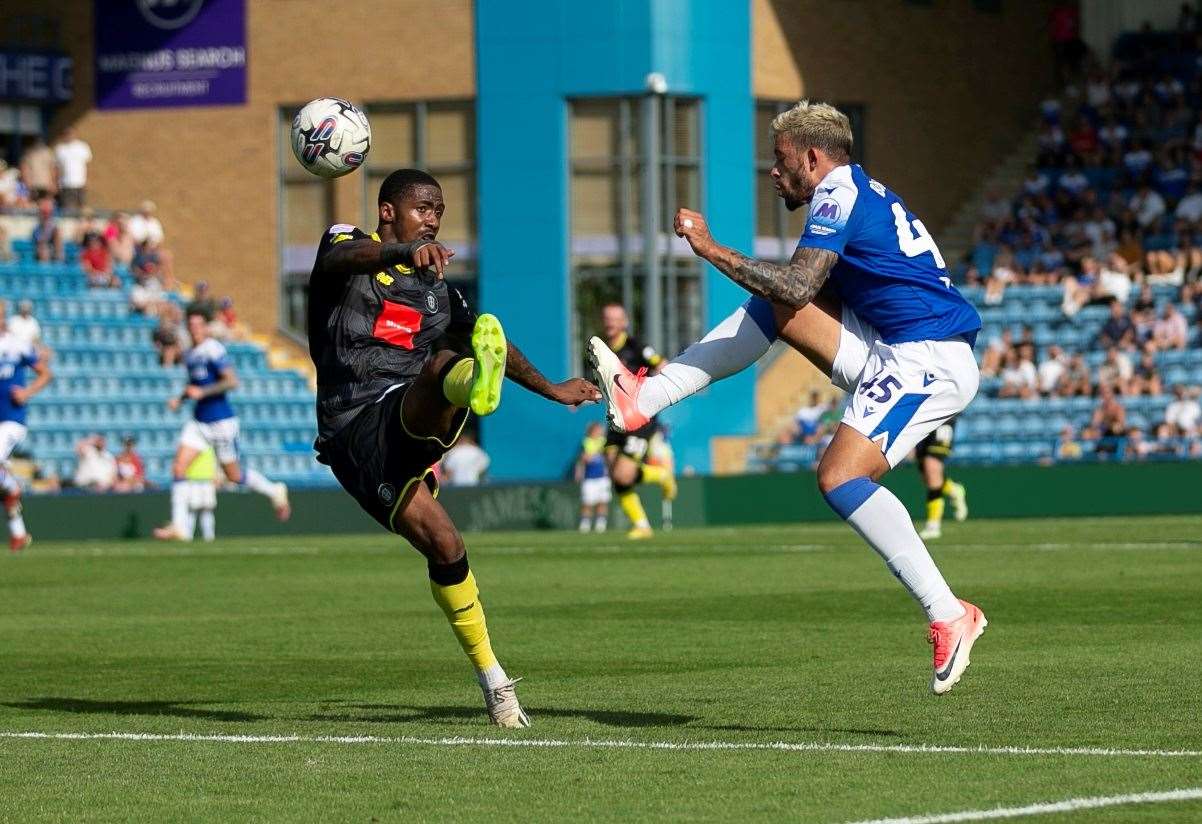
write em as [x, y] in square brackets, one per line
[912, 246]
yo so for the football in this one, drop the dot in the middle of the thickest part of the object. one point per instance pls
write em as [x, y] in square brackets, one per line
[330, 137]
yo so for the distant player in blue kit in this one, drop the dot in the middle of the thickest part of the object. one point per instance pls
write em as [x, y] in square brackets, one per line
[16, 355]
[592, 473]
[211, 377]
[867, 299]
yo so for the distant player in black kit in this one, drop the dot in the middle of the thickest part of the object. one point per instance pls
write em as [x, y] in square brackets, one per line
[626, 452]
[930, 456]
[401, 360]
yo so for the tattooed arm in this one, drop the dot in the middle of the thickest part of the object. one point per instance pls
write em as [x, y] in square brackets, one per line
[572, 392]
[790, 284]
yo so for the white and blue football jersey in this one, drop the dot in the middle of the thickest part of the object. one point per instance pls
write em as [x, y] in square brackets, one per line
[890, 272]
[205, 363]
[15, 356]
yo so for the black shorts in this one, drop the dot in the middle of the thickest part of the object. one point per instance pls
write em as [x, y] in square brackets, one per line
[939, 443]
[633, 445]
[377, 460]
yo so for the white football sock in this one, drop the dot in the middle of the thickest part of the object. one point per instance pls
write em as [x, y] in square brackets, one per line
[584, 524]
[256, 481]
[600, 524]
[16, 525]
[882, 521]
[731, 346]
[189, 529]
[179, 508]
[208, 524]
[492, 677]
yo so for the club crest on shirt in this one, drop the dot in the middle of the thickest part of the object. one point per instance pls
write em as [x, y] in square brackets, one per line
[431, 302]
[387, 493]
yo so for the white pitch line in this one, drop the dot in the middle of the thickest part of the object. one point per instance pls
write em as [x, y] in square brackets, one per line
[594, 743]
[1069, 805]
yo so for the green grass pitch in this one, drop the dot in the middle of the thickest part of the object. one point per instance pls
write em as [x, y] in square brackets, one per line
[737, 637]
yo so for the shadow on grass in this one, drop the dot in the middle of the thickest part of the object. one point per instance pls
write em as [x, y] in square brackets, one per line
[176, 709]
[401, 714]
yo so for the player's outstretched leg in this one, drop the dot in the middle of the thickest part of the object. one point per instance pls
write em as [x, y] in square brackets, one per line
[424, 523]
[847, 477]
[18, 537]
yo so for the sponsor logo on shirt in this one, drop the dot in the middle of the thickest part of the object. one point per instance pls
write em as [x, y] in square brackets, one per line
[386, 279]
[815, 229]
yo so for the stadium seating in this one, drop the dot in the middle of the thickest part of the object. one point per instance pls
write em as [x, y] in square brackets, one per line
[108, 381]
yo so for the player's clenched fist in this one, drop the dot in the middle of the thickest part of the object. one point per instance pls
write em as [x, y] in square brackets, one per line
[692, 227]
[432, 255]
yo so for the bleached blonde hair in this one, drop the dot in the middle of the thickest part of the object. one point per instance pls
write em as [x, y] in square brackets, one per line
[816, 125]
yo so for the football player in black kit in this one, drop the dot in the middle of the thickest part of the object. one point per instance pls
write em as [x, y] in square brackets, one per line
[401, 360]
[626, 452]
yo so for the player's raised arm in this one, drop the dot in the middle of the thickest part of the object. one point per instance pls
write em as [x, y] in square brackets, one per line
[349, 253]
[571, 392]
[790, 284]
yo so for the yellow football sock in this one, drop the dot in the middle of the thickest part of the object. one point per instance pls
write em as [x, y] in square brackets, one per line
[935, 510]
[948, 486]
[457, 385]
[653, 474]
[633, 507]
[461, 603]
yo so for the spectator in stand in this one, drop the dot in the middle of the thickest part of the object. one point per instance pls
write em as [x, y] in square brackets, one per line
[1077, 380]
[807, 417]
[47, 235]
[1112, 137]
[131, 470]
[995, 353]
[144, 226]
[1108, 425]
[202, 302]
[465, 463]
[167, 336]
[38, 170]
[1148, 206]
[1172, 178]
[1146, 300]
[1137, 447]
[88, 226]
[1052, 370]
[1068, 448]
[1115, 372]
[72, 155]
[1005, 271]
[1183, 413]
[1036, 182]
[97, 265]
[147, 296]
[146, 260]
[1118, 330]
[24, 326]
[1171, 331]
[1083, 142]
[96, 470]
[120, 241]
[1146, 379]
[1019, 378]
[225, 324]
[13, 193]
[1189, 208]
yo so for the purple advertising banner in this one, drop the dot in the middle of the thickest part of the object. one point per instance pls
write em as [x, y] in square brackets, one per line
[159, 53]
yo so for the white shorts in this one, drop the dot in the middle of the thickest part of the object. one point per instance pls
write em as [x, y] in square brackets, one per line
[11, 434]
[899, 393]
[595, 491]
[202, 495]
[221, 435]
